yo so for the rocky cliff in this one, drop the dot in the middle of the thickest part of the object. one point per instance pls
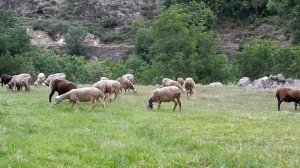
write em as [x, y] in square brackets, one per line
[92, 10]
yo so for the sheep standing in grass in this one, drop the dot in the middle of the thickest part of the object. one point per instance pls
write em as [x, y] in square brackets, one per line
[180, 81]
[288, 95]
[91, 94]
[189, 86]
[165, 94]
[170, 82]
[128, 77]
[60, 86]
[109, 87]
[18, 81]
[126, 84]
[40, 79]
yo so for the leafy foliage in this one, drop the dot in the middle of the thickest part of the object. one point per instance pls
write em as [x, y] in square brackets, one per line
[229, 8]
[13, 38]
[180, 44]
[265, 58]
[75, 40]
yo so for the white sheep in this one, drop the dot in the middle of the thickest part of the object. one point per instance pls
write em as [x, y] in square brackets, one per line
[104, 78]
[85, 94]
[128, 77]
[165, 94]
[18, 81]
[170, 82]
[40, 79]
[126, 84]
[50, 78]
[109, 87]
[189, 86]
[180, 81]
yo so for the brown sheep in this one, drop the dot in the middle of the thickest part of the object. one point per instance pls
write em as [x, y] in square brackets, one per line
[5, 79]
[180, 81]
[189, 86]
[60, 86]
[91, 94]
[165, 94]
[109, 87]
[126, 84]
[288, 95]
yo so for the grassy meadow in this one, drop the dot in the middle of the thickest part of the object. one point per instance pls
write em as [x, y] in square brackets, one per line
[217, 127]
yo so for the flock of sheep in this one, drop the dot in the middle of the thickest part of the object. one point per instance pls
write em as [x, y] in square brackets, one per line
[170, 90]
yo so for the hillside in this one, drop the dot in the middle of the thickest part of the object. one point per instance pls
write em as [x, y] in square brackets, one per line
[116, 41]
[95, 15]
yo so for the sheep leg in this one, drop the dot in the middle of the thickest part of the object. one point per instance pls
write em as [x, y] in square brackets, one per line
[179, 102]
[279, 102]
[115, 96]
[102, 103]
[295, 105]
[158, 107]
[175, 105]
[50, 95]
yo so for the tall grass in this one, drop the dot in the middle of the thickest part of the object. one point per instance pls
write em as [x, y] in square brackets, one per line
[217, 127]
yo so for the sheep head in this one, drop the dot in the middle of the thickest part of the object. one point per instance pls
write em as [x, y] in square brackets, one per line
[57, 100]
[149, 104]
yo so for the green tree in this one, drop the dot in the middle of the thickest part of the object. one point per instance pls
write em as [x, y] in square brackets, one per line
[258, 59]
[75, 40]
[13, 38]
[179, 43]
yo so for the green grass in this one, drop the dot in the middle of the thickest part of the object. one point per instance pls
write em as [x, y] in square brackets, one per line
[218, 127]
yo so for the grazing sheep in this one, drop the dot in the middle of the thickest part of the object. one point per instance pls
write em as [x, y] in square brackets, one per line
[189, 86]
[109, 87]
[180, 81]
[50, 78]
[288, 95]
[5, 79]
[126, 84]
[91, 94]
[128, 77]
[18, 81]
[60, 86]
[104, 78]
[165, 94]
[170, 82]
[40, 79]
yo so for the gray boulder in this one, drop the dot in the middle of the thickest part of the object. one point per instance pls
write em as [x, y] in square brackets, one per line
[262, 83]
[244, 81]
[215, 84]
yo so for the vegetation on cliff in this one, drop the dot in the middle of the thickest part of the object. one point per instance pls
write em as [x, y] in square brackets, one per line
[179, 42]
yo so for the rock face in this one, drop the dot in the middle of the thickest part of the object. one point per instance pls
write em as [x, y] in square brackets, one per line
[92, 10]
[262, 83]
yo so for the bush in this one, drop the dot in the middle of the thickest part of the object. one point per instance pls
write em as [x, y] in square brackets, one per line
[257, 59]
[110, 23]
